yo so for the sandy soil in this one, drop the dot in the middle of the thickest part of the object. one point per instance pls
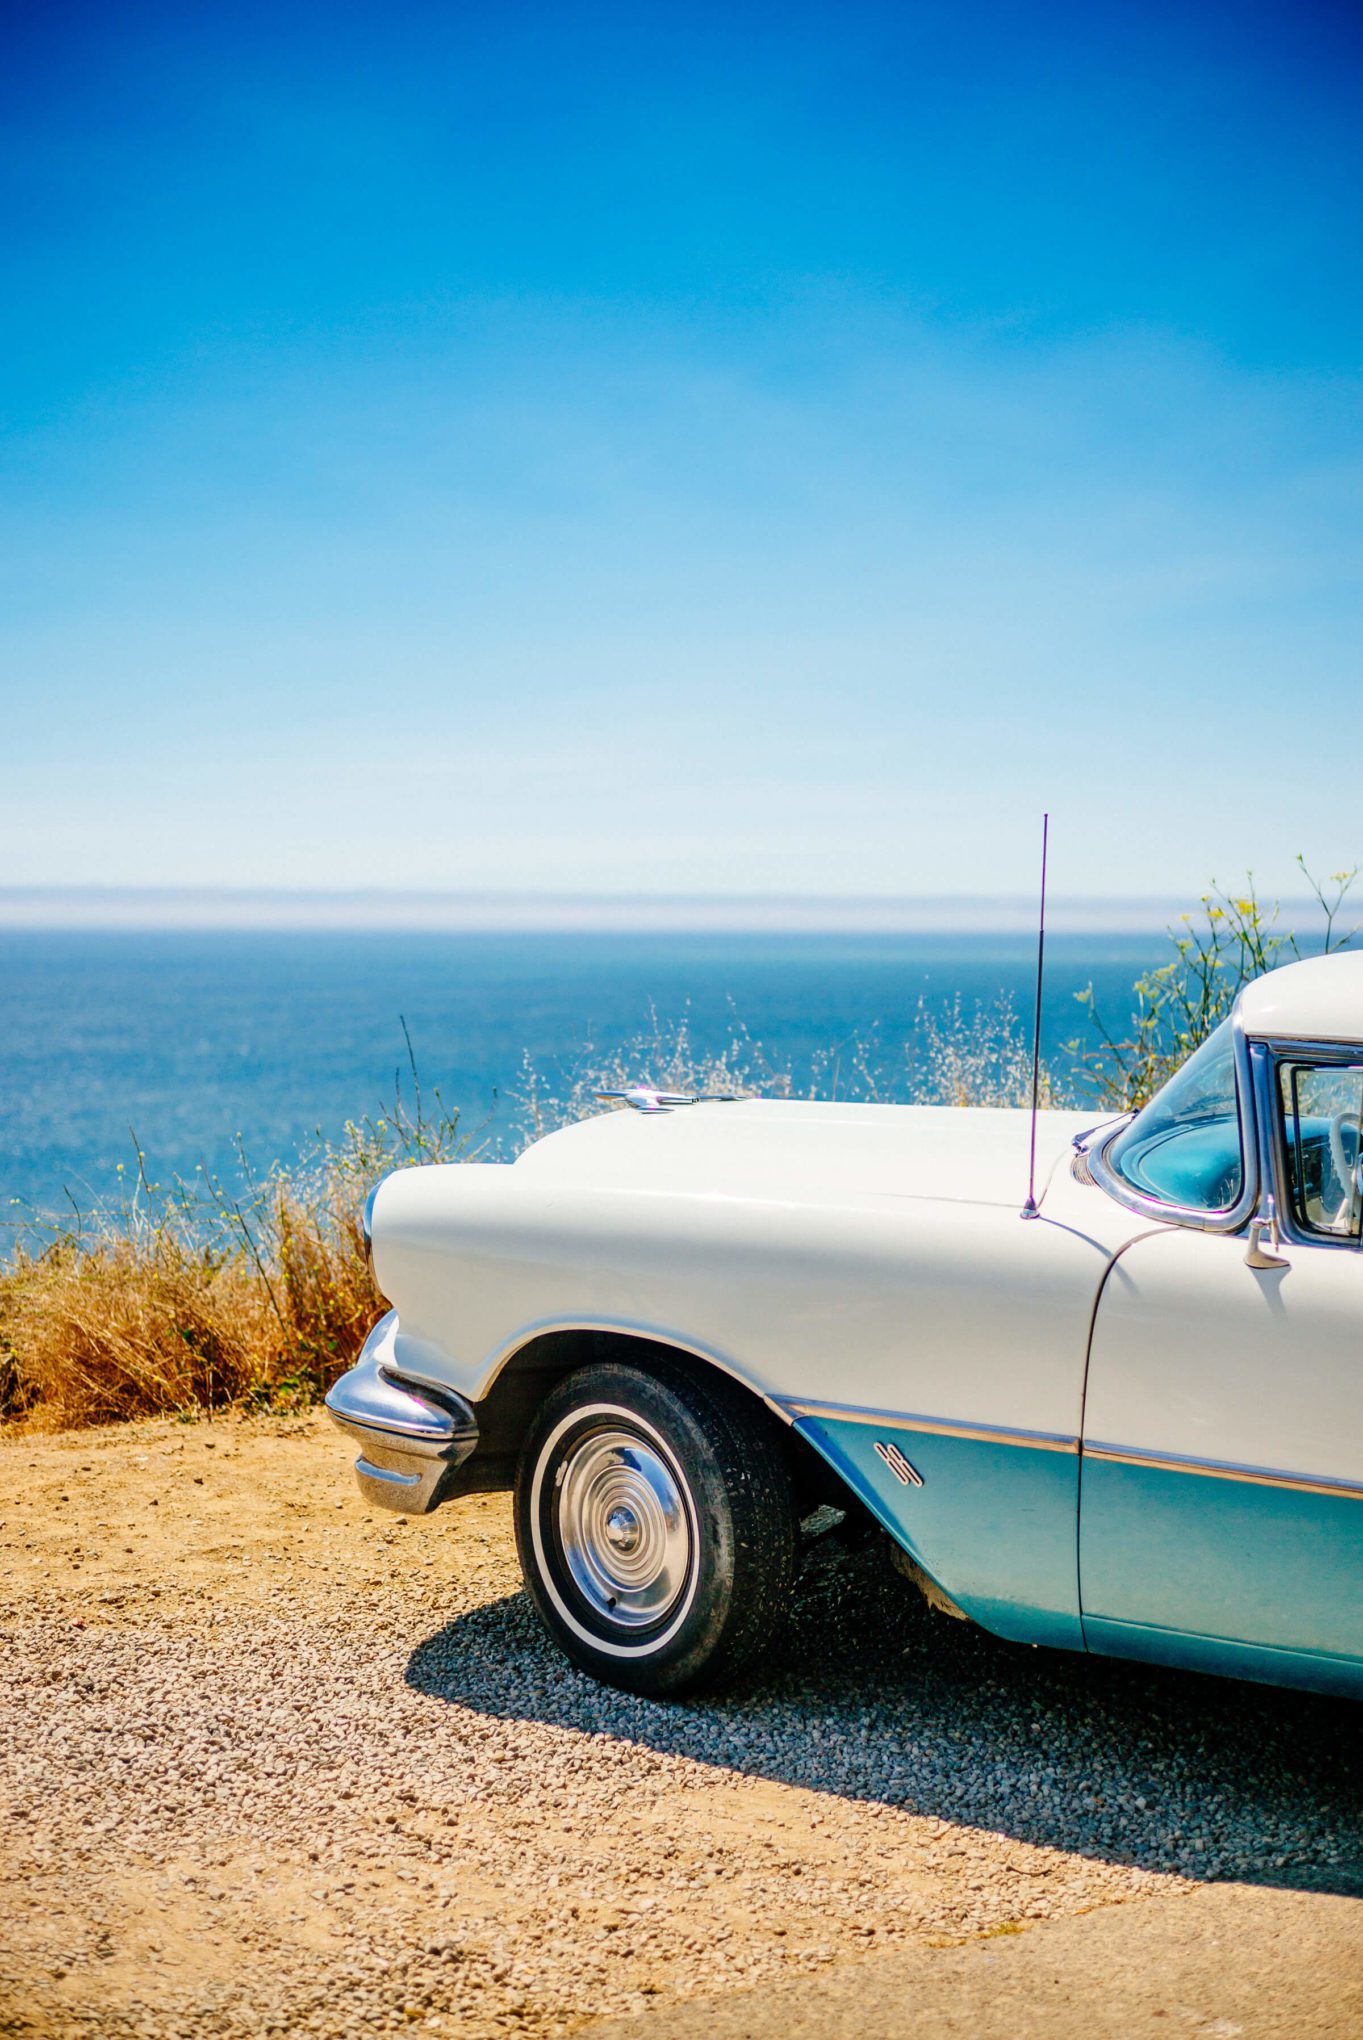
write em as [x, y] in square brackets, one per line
[275, 1762]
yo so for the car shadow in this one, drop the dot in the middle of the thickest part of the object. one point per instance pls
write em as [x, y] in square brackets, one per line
[868, 1695]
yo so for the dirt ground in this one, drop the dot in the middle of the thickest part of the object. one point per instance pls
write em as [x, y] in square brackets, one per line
[275, 1762]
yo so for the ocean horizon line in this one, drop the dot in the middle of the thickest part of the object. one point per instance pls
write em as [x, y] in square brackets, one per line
[412, 910]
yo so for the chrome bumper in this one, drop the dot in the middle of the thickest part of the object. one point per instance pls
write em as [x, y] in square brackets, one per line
[413, 1436]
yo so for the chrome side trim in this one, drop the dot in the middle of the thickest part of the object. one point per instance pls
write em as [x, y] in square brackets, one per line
[413, 1436]
[1224, 1469]
[937, 1427]
[904, 1470]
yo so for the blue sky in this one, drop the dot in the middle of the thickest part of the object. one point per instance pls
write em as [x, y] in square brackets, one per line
[643, 449]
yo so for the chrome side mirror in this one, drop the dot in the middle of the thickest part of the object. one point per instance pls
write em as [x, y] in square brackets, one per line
[1260, 1229]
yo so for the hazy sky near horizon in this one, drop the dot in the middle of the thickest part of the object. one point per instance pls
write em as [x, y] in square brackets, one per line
[638, 449]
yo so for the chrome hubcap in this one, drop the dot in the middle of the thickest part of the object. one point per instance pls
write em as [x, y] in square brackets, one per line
[623, 1528]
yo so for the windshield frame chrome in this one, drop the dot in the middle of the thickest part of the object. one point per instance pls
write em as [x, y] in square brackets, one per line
[1155, 1208]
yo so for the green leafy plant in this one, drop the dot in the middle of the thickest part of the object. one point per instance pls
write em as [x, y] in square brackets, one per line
[1235, 937]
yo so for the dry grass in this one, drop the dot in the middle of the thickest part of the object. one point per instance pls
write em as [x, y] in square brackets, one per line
[199, 1301]
[110, 1328]
[195, 1300]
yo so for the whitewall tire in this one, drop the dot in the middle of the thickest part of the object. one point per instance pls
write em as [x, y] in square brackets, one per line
[655, 1525]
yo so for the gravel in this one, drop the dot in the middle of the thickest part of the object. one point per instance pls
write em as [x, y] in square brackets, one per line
[272, 1765]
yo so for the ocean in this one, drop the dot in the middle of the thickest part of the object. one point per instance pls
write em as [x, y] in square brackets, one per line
[203, 1044]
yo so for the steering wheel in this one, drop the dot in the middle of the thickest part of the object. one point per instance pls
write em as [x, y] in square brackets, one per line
[1346, 1171]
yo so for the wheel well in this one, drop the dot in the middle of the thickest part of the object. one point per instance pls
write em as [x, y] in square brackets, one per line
[524, 1381]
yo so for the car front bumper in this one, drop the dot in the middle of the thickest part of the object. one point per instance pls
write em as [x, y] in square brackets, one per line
[414, 1437]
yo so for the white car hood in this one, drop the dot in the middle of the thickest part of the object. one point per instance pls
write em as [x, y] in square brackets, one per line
[787, 1151]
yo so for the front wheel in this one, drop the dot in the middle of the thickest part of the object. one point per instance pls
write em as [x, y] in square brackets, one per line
[655, 1525]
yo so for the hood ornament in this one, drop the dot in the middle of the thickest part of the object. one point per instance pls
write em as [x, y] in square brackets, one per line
[644, 1098]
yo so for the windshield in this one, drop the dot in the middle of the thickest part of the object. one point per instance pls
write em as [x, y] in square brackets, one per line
[1184, 1146]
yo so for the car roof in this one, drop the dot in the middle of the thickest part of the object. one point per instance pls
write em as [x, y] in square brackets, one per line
[1319, 999]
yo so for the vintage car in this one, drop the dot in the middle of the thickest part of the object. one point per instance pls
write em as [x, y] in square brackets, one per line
[1131, 1424]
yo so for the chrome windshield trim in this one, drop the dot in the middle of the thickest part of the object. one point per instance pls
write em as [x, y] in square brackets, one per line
[939, 1427]
[1113, 1124]
[1224, 1469]
[1155, 1208]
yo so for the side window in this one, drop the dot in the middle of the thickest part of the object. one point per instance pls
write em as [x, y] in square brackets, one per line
[1322, 1113]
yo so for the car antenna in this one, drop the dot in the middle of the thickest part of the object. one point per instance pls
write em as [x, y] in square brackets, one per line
[1031, 1209]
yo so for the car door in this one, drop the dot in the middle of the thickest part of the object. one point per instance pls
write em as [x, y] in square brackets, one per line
[1221, 1510]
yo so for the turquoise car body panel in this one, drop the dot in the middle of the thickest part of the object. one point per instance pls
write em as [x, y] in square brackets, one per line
[1214, 1575]
[1238, 1576]
[994, 1524]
